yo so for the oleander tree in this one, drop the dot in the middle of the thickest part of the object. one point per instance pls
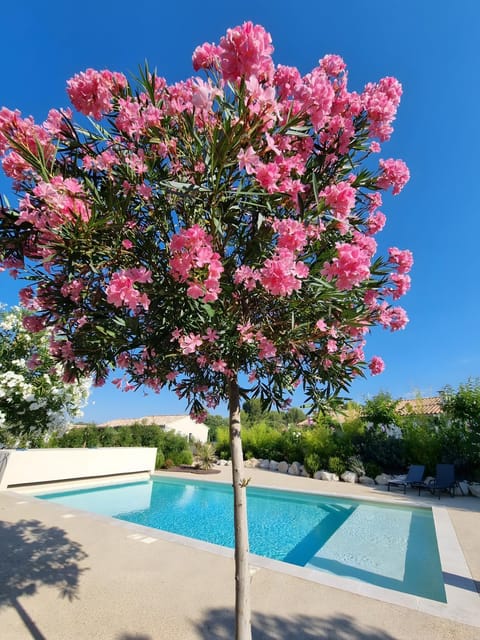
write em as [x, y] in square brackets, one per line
[215, 236]
[34, 398]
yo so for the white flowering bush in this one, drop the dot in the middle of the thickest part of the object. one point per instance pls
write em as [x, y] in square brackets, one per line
[34, 398]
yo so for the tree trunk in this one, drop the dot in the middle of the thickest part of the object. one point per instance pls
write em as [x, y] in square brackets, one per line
[243, 629]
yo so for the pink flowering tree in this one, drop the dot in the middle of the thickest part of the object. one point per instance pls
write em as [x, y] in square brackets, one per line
[215, 236]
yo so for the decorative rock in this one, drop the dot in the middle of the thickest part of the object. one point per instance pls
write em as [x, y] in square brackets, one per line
[474, 488]
[349, 476]
[383, 479]
[273, 465]
[326, 475]
[294, 469]
[251, 463]
[303, 472]
[462, 488]
[369, 482]
[264, 464]
[283, 467]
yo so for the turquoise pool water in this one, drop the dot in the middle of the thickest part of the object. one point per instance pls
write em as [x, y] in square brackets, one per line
[388, 546]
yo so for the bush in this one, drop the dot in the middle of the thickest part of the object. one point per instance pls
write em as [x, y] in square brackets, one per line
[355, 464]
[312, 463]
[336, 465]
[372, 470]
[107, 437]
[160, 459]
[184, 456]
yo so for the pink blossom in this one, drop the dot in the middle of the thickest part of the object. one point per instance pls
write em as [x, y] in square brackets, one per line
[340, 198]
[376, 365]
[33, 324]
[267, 175]
[248, 160]
[91, 91]
[34, 362]
[188, 344]
[72, 290]
[395, 174]
[206, 56]
[121, 291]
[55, 123]
[404, 259]
[267, 349]
[350, 267]
[393, 318]
[292, 234]
[402, 283]
[381, 101]
[192, 256]
[246, 276]
[333, 65]
[27, 298]
[321, 325]
[127, 244]
[376, 222]
[282, 274]
[332, 346]
[246, 51]
[246, 332]
[211, 335]
[219, 365]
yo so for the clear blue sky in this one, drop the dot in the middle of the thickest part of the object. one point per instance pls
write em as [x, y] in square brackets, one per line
[431, 46]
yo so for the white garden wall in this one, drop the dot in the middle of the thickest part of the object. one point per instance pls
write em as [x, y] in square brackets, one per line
[19, 467]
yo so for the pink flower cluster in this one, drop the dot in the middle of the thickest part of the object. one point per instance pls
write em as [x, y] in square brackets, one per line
[121, 291]
[404, 261]
[350, 267]
[281, 274]
[381, 102]
[27, 134]
[91, 91]
[246, 51]
[56, 202]
[394, 174]
[376, 365]
[195, 262]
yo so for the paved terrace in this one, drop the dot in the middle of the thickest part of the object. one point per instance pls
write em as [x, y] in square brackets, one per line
[68, 575]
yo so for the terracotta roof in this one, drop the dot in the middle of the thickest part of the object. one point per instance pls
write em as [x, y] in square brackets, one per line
[420, 406]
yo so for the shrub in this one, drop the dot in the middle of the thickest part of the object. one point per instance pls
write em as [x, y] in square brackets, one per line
[312, 463]
[355, 464]
[372, 470]
[336, 465]
[160, 459]
[184, 456]
[206, 455]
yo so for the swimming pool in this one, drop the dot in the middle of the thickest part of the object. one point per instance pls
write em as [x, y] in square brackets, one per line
[384, 545]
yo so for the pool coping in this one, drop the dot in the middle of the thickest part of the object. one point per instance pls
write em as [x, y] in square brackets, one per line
[463, 600]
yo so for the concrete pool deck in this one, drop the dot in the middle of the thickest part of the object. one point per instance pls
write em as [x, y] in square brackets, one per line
[68, 575]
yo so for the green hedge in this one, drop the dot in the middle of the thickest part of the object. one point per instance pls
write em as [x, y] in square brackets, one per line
[170, 445]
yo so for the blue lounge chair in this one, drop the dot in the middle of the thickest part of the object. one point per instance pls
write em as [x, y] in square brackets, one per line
[414, 478]
[444, 481]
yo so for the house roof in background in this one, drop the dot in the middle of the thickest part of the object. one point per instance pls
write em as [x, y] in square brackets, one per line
[420, 406]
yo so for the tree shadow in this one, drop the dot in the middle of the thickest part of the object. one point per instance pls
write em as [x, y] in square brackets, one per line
[219, 624]
[33, 555]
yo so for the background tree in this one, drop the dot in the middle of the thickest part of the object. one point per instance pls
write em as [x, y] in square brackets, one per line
[380, 411]
[213, 422]
[460, 431]
[34, 397]
[214, 236]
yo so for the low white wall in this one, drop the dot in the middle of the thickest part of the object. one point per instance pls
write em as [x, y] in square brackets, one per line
[47, 465]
